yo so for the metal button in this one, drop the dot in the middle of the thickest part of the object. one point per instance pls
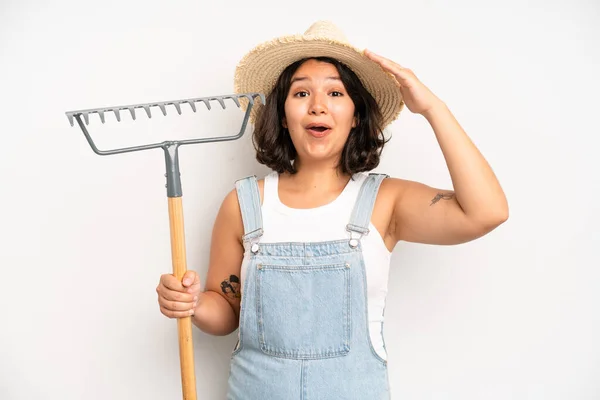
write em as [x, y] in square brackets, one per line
[347, 265]
[353, 243]
[255, 248]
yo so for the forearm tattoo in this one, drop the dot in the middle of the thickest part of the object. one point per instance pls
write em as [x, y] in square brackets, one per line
[442, 196]
[231, 287]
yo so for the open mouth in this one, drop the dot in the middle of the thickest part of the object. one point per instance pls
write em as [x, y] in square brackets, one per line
[318, 130]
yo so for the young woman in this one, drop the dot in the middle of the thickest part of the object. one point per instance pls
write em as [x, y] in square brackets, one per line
[300, 259]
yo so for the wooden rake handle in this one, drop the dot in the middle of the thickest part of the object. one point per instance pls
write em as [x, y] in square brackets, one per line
[184, 325]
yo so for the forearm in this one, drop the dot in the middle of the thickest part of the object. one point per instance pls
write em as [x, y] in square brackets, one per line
[214, 315]
[477, 189]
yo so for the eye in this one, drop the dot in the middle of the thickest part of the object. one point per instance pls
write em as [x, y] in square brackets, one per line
[335, 93]
[301, 94]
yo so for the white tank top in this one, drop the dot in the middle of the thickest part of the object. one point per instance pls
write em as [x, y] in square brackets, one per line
[325, 223]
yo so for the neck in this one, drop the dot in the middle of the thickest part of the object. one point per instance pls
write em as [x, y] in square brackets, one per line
[318, 178]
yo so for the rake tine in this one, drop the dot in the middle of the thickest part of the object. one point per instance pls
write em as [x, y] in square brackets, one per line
[162, 108]
[206, 103]
[220, 100]
[117, 114]
[70, 117]
[101, 114]
[177, 108]
[132, 111]
[86, 118]
[253, 96]
[235, 100]
[250, 99]
[147, 108]
[191, 103]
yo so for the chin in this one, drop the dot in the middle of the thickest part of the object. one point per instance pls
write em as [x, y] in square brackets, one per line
[321, 154]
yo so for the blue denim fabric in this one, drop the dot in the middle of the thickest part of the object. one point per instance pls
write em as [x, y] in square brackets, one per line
[303, 319]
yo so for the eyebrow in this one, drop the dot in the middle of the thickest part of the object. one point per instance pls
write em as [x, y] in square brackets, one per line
[305, 78]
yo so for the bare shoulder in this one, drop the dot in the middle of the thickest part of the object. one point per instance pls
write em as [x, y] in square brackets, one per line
[231, 212]
[394, 189]
[390, 187]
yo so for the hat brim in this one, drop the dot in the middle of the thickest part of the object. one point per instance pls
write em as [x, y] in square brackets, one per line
[259, 70]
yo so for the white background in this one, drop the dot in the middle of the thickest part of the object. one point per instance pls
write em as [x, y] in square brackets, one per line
[85, 238]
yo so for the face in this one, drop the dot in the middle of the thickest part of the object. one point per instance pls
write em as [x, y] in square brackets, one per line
[319, 113]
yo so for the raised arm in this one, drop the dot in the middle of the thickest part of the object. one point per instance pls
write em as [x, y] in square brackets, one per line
[476, 204]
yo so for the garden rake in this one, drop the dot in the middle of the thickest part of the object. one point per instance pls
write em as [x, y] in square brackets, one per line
[174, 194]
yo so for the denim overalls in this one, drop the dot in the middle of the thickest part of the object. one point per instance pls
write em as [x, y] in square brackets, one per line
[303, 332]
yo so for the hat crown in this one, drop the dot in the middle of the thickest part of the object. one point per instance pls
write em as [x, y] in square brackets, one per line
[326, 29]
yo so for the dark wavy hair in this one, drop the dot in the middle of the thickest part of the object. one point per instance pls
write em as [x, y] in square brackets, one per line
[362, 150]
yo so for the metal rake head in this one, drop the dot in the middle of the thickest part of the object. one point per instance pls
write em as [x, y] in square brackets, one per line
[162, 105]
[171, 146]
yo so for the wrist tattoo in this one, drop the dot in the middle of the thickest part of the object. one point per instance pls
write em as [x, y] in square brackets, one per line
[442, 196]
[231, 287]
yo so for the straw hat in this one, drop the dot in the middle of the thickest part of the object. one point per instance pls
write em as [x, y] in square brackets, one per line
[259, 69]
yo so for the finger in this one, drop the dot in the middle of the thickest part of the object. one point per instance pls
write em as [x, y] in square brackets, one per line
[403, 75]
[175, 305]
[382, 60]
[189, 278]
[176, 314]
[173, 295]
[170, 282]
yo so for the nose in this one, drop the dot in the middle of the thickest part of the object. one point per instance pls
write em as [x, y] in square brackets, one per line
[318, 104]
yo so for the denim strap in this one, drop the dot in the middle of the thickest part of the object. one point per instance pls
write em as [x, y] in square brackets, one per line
[249, 199]
[363, 208]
